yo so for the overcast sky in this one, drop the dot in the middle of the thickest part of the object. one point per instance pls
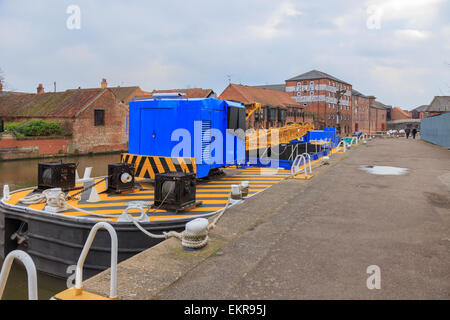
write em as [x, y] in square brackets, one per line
[397, 50]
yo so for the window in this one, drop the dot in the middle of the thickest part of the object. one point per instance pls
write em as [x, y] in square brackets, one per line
[299, 84]
[299, 93]
[311, 93]
[329, 106]
[311, 83]
[99, 117]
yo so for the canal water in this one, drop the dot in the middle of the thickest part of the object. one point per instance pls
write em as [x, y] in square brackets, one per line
[23, 173]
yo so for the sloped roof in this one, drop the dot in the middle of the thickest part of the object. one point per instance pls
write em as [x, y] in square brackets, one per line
[278, 87]
[125, 93]
[8, 93]
[439, 104]
[190, 93]
[420, 108]
[379, 105]
[266, 97]
[359, 94]
[315, 74]
[64, 104]
[402, 112]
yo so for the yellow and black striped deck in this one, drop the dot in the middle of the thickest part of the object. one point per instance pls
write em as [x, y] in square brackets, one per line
[214, 195]
[147, 166]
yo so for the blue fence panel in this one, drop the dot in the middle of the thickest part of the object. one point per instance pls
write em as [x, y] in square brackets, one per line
[436, 130]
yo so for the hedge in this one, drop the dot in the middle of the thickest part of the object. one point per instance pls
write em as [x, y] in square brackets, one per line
[36, 127]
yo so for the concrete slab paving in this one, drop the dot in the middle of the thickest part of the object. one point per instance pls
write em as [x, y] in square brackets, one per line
[315, 239]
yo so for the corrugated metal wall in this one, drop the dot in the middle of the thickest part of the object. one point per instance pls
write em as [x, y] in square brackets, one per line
[436, 130]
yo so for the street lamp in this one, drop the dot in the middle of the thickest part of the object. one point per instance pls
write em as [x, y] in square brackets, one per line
[339, 95]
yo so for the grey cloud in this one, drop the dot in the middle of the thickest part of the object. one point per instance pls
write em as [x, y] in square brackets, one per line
[169, 44]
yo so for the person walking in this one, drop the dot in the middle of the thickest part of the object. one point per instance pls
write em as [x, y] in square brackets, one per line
[414, 132]
[407, 131]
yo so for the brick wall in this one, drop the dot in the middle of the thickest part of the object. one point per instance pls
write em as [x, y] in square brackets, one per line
[112, 136]
[377, 120]
[360, 114]
[322, 113]
[11, 148]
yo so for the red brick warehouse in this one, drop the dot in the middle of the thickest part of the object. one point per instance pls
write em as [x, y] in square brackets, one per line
[97, 118]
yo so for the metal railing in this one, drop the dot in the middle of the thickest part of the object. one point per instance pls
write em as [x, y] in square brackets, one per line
[23, 257]
[343, 144]
[306, 155]
[85, 251]
[295, 168]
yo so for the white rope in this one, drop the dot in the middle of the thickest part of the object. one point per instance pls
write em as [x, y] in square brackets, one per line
[35, 198]
[58, 199]
[212, 225]
[109, 217]
[193, 241]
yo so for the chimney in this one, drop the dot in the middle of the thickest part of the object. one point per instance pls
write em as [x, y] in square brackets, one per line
[104, 83]
[40, 88]
[1, 86]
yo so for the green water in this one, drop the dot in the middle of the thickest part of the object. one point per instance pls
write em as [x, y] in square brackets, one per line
[23, 173]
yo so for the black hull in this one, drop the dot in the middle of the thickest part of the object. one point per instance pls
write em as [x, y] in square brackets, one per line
[55, 242]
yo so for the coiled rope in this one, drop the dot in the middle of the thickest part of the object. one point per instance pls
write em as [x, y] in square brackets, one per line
[188, 239]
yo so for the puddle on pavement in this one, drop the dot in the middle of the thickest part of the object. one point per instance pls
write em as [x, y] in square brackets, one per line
[384, 170]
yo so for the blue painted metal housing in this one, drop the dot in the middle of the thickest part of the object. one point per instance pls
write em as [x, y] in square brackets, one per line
[327, 134]
[195, 128]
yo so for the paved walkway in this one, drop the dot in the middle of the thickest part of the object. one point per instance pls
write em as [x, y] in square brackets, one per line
[317, 242]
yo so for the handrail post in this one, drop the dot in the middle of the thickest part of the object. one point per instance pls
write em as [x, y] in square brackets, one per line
[344, 146]
[296, 164]
[309, 161]
[23, 257]
[295, 168]
[84, 252]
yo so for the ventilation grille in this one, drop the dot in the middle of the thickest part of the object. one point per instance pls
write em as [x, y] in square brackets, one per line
[206, 140]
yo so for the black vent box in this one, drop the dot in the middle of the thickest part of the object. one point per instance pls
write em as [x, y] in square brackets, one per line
[175, 190]
[56, 175]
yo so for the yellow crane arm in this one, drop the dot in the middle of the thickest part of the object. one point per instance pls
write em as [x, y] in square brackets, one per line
[250, 108]
[285, 134]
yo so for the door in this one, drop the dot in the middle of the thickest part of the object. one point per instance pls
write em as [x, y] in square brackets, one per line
[155, 132]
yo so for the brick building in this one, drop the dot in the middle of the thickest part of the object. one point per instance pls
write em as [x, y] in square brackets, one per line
[361, 111]
[319, 94]
[377, 117]
[419, 112]
[400, 114]
[97, 118]
[278, 107]
[439, 105]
